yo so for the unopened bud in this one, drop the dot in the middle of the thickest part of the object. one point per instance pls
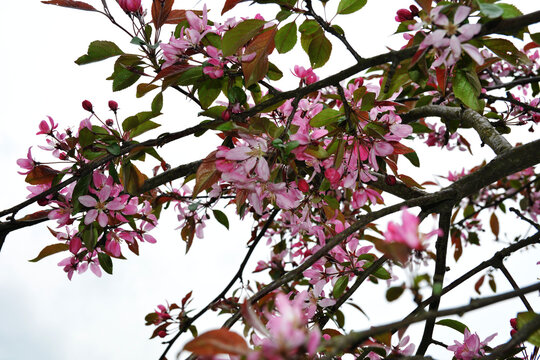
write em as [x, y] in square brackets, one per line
[513, 323]
[390, 180]
[226, 115]
[162, 334]
[87, 105]
[62, 156]
[43, 202]
[113, 105]
[130, 5]
[303, 186]
[109, 122]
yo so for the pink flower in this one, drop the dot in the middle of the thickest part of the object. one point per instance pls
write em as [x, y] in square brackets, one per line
[307, 76]
[449, 39]
[28, 163]
[100, 205]
[45, 128]
[405, 15]
[471, 348]
[407, 233]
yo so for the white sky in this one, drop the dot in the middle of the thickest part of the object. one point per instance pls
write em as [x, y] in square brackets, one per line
[45, 316]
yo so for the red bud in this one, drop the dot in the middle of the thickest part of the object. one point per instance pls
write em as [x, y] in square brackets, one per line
[390, 180]
[226, 114]
[513, 323]
[113, 105]
[109, 122]
[87, 105]
[303, 186]
[162, 334]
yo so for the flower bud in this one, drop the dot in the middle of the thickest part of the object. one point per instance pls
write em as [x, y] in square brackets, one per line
[63, 156]
[162, 334]
[109, 122]
[43, 202]
[303, 186]
[226, 115]
[130, 5]
[390, 180]
[513, 323]
[87, 105]
[113, 105]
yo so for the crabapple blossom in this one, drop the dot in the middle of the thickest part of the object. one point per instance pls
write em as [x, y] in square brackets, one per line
[471, 348]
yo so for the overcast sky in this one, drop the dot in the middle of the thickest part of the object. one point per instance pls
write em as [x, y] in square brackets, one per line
[45, 316]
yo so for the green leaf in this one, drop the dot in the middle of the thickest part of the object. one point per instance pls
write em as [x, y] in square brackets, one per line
[350, 6]
[86, 137]
[105, 262]
[236, 95]
[142, 89]
[126, 72]
[522, 319]
[341, 285]
[420, 128]
[144, 127]
[394, 293]
[286, 38]
[209, 91]
[273, 72]
[413, 158]
[157, 103]
[319, 50]
[80, 189]
[240, 35]
[368, 101]
[492, 11]
[509, 11]
[466, 90]
[331, 201]
[99, 50]
[380, 273]
[114, 149]
[325, 117]
[454, 324]
[535, 37]
[191, 76]
[50, 250]
[507, 51]
[221, 218]
[89, 236]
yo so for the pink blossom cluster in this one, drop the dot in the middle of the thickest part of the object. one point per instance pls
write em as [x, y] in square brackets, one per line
[471, 348]
[286, 334]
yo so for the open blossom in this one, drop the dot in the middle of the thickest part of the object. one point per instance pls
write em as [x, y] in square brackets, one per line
[47, 128]
[450, 39]
[28, 163]
[99, 206]
[471, 348]
[407, 233]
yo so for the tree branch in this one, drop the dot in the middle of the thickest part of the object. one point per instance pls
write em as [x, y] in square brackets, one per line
[468, 118]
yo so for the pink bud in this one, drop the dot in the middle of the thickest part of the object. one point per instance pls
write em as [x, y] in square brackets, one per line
[226, 114]
[43, 202]
[513, 332]
[109, 122]
[303, 185]
[87, 105]
[113, 105]
[62, 156]
[130, 5]
[162, 334]
[513, 323]
[332, 175]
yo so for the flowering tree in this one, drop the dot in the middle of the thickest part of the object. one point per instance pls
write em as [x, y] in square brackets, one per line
[316, 167]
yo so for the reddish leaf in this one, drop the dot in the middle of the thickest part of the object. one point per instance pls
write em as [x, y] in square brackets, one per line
[530, 46]
[409, 181]
[442, 76]
[229, 4]
[456, 241]
[36, 216]
[221, 341]
[417, 57]
[50, 250]
[41, 174]
[188, 233]
[207, 174]
[131, 178]
[71, 4]
[177, 16]
[425, 5]
[161, 10]
[162, 327]
[478, 284]
[133, 246]
[399, 148]
[172, 71]
[262, 46]
[494, 224]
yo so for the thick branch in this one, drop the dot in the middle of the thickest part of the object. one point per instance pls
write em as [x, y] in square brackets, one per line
[468, 118]
[352, 340]
[438, 278]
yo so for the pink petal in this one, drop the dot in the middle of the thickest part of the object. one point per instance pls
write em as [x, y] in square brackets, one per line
[90, 216]
[474, 53]
[103, 219]
[88, 201]
[461, 14]
[95, 269]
